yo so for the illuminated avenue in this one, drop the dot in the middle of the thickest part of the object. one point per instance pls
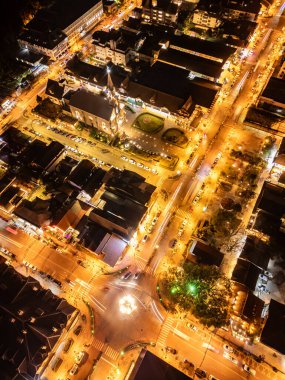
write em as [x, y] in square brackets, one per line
[142, 198]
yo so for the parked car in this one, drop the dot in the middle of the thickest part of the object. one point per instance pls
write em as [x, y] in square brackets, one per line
[74, 369]
[137, 275]
[200, 373]
[248, 369]
[144, 239]
[228, 348]
[68, 344]
[173, 243]
[188, 365]
[126, 276]
[231, 358]
[78, 330]
[171, 350]
[211, 377]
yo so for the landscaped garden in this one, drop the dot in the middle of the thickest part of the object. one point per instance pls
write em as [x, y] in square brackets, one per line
[149, 123]
[176, 137]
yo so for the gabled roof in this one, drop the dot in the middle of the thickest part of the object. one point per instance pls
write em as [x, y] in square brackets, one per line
[54, 89]
[273, 333]
[205, 254]
[92, 103]
[246, 274]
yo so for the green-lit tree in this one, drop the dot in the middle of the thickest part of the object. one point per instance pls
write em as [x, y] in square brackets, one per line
[202, 290]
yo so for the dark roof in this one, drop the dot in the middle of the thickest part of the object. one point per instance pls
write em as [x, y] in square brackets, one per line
[36, 212]
[151, 367]
[280, 156]
[273, 333]
[256, 251]
[91, 233]
[47, 39]
[56, 17]
[253, 307]
[272, 199]
[81, 174]
[248, 6]
[49, 155]
[208, 48]
[238, 30]
[31, 318]
[94, 182]
[54, 89]
[191, 62]
[246, 273]
[275, 90]
[29, 56]
[207, 255]
[96, 74]
[92, 103]
[178, 86]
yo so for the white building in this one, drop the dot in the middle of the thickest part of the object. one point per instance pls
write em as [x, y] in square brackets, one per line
[55, 29]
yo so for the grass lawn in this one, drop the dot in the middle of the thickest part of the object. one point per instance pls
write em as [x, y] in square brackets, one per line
[176, 137]
[149, 123]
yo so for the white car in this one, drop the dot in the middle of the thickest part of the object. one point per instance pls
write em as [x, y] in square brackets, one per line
[248, 369]
[228, 348]
[231, 358]
[74, 370]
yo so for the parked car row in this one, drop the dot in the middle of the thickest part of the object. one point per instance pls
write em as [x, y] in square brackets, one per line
[7, 253]
[51, 278]
[139, 164]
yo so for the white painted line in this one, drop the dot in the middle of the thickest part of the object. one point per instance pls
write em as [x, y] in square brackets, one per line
[112, 364]
[12, 241]
[181, 334]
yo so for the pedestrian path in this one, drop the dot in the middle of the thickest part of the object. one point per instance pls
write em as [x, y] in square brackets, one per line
[164, 332]
[98, 344]
[112, 353]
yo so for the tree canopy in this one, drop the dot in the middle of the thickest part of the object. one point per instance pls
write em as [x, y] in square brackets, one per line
[202, 290]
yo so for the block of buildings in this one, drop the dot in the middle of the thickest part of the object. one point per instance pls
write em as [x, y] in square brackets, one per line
[54, 29]
[32, 321]
[94, 110]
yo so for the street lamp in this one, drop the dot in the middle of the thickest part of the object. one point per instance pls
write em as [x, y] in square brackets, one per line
[127, 305]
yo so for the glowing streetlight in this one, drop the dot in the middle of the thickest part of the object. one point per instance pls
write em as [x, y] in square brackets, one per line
[127, 305]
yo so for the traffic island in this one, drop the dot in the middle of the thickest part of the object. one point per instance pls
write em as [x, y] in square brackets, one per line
[149, 123]
[176, 137]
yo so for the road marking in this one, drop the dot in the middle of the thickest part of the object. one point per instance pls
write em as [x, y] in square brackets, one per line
[167, 326]
[12, 241]
[97, 303]
[112, 353]
[156, 311]
[107, 361]
[181, 335]
[98, 344]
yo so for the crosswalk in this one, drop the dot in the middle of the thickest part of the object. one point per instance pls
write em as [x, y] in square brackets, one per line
[182, 213]
[164, 332]
[98, 344]
[112, 353]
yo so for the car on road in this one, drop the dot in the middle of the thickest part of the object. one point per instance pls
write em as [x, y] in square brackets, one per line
[78, 330]
[188, 365]
[171, 350]
[173, 243]
[68, 344]
[137, 275]
[209, 347]
[126, 276]
[191, 326]
[82, 263]
[81, 358]
[212, 377]
[228, 348]
[200, 373]
[231, 358]
[248, 369]
[73, 370]
[144, 239]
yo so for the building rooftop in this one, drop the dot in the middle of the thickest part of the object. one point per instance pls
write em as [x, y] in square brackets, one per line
[275, 90]
[205, 254]
[191, 62]
[32, 320]
[256, 251]
[81, 174]
[178, 86]
[253, 307]
[54, 89]
[206, 48]
[247, 6]
[246, 274]
[150, 366]
[272, 200]
[92, 103]
[273, 333]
